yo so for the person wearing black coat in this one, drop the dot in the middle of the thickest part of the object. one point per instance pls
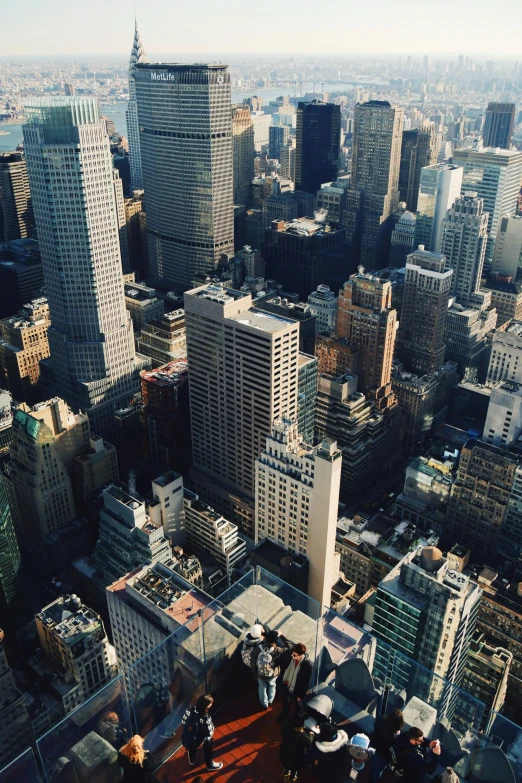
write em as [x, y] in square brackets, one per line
[414, 756]
[383, 737]
[136, 764]
[294, 745]
[328, 754]
[296, 678]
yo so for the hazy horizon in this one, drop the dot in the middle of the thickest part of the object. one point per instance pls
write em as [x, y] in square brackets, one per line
[105, 28]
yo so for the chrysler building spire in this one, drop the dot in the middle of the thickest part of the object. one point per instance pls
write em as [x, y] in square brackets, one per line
[138, 55]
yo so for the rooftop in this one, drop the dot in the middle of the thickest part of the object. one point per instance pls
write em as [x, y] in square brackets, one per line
[265, 322]
[504, 286]
[305, 226]
[170, 374]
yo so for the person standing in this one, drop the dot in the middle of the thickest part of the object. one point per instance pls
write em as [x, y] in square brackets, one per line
[386, 731]
[268, 664]
[137, 766]
[198, 729]
[296, 679]
[328, 754]
[251, 647]
[295, 744]
[412, 751]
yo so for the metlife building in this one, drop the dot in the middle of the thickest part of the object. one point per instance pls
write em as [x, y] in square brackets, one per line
[185, 127]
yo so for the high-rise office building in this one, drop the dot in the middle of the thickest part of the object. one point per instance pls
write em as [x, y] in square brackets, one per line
[243, 374]
[94, 466]
[318, 139]
[506, 355]
[164, 341]
[477, 506]
[439, 186]
[278, 136]
[165, 415]
[418, 149]
[46, 439]
[23, 345]
[92, 363]
[244, 152]
[422, 592]
[304, 253]
[465, 335]
[121, 221]
[463, 243]
[506, 298]
[495, 175]
[74, 639]
[129, 538]
[323, 303]
[21, 275]
[402, 240]
[374, 195]
[138, 55]
[365, 317]
[187, 164]
[427, 288]
[297, 495]
[486, 675]
[504, 418]
[306, 395]
[288, 160]
[10, 562]
[15, 725]
[499, 124]
[15, 197]
[507, 258]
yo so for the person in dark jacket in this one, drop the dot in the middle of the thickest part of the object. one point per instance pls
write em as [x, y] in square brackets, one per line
[296, 679]
[386, 731]
[251, 647]
[416, 755]
[328, 754]
[294, 745]
[113, 731]
[198, 729]
[136, 764]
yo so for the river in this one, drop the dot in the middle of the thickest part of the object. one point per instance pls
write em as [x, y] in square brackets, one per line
[116, 111]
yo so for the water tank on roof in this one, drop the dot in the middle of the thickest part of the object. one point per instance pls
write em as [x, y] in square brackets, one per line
[431, 558]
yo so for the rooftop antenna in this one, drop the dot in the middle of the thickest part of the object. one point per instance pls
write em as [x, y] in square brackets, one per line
[322, 88]
[314, 88]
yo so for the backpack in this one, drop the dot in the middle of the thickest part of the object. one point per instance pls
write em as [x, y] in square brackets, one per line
[189, 736]
[246, 654]
[396, 762]
[265, 668]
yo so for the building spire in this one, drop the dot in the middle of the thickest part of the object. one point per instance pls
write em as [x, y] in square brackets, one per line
[138, 54]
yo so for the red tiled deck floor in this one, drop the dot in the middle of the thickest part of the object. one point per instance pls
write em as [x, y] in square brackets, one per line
[246, 740]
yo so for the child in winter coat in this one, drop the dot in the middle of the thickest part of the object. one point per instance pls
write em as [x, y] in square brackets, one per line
[328, 754]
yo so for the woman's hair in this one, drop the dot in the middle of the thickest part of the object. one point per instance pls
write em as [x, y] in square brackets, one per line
[203, 703]
[299, 648]
[112, 716]
[134, 750]
[395, 720]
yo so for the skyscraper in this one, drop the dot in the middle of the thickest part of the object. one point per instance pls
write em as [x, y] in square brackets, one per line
[46, 439]
[187, 165]
[498, 128]
[243, 374]
[374, 194]
[10, 562]
[495, 175]
[15, 197]
[418, 149]
[464, 239]
[138, 55]
[427, 288]
[92, 364]
[278, 136]
[439, 186]
[365, 317]
[318, 139]
[507, 258]
[244, 152]
[423, 592]
[297, 496]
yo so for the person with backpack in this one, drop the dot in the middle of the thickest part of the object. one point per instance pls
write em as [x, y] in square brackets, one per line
[295, 743]
[387, 729]
[415, 756]
[198, 729]
[251, 647]
[328, 754]
[268, 666]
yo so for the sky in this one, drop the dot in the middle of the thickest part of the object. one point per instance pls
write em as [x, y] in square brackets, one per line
[343, 27]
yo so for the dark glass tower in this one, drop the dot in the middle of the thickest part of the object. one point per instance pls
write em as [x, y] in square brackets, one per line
[278, 136]
[317, 149]
[498, 128]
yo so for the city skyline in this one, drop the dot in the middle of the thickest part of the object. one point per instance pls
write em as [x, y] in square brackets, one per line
[183, 30]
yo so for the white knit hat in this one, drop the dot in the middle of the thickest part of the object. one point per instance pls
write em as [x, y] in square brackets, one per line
[256, 632]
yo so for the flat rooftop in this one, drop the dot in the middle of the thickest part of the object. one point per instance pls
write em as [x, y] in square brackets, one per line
[265, 322]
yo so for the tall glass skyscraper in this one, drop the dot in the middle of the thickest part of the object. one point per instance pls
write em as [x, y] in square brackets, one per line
[92, 364]
[10, 562]
[185, 125]
[138, 55]
[439, 186]
[498, 127]
[318, 141]
[495, 174]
